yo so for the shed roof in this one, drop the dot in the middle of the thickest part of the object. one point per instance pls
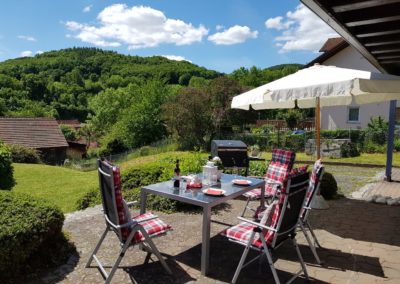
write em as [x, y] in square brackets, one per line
[37, 133]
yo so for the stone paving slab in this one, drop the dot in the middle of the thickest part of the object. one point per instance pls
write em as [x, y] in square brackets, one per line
[360, 242]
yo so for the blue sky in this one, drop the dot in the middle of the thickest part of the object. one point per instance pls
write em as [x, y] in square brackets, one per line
[223, 35]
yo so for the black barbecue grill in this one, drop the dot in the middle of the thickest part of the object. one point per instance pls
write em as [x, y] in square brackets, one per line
[233, 153]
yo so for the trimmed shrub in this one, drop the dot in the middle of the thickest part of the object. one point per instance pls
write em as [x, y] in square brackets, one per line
[90, 199]
[295, 142]
[377, 130]
[7, 180]
[349, 149]
[328, 186]
[371, 147]
[21, 154]
[257, 169]
[28, 229]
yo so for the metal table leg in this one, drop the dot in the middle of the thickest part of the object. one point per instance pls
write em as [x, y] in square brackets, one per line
[205, 247]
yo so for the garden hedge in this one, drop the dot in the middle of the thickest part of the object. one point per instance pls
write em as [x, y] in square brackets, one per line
[7, 180]
[21, 154]
[28, 229]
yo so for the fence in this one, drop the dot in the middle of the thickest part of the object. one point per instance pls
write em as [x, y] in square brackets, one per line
[152, 149]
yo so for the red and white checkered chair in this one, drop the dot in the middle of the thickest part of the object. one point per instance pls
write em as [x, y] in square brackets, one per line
[312, 191]
[130, 231]
[278, 224]
[277, 174]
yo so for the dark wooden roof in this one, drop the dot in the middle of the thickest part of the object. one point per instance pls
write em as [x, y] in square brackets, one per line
[37, 133]
[371, 26]
[331, 47]
[333, 43]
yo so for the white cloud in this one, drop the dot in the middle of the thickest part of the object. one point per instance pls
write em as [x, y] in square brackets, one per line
[87, 9]
[39, 52]
[276, 23]
[137, 27]
[176, 58]
[26, 53]
[219, 27]
[301, 30]
[28, 38]
[233, 35]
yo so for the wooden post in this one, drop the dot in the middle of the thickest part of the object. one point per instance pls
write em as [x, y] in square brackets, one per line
[318, 127]
[390, 146]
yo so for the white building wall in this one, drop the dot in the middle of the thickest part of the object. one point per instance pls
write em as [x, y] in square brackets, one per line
[337, 117]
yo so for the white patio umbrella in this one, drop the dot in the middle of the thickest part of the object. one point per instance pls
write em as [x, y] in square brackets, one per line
[318, 86]
[332, 85]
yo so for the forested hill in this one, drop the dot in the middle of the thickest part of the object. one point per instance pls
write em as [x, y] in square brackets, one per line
[60, 83]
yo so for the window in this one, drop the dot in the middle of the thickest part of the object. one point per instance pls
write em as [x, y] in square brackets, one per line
[354, 113]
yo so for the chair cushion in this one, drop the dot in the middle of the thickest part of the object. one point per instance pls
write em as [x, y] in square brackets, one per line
[122, 215]
[315, 178]
[242, 232]
[278, 170]
[270, 189]
[153, 227]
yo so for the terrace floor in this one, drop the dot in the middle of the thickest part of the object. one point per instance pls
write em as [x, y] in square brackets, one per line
[385, 188]
[360, 242]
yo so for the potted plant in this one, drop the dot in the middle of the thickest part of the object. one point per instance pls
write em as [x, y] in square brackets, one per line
[254, 150]
[218, 163]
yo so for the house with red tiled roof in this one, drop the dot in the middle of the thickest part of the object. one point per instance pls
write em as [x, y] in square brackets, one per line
[42, 134]
[337, 52]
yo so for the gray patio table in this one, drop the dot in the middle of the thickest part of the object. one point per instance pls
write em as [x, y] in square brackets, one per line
[197, 197]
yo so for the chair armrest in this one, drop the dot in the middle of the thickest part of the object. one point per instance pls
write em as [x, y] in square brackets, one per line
[146, 219]
[128, 224]
[256, 224]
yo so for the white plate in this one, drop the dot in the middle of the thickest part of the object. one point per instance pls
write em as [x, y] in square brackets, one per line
[214, 191]
[241, 181]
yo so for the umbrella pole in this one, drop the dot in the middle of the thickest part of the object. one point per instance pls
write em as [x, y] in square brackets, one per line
[318, 202]
[318, 128]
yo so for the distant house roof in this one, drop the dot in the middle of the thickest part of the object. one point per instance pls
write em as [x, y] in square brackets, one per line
[37, 133]
[331, 47]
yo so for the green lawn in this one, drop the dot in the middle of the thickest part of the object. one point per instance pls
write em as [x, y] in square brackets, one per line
[63, 186]
[60, 186]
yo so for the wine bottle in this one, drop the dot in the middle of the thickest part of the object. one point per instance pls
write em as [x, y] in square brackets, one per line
[177, 173]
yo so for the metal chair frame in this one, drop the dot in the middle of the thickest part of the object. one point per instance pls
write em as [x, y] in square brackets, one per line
[305, 225]
[280, 236]
[112, 224]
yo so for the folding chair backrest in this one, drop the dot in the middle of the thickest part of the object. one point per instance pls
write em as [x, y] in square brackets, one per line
[110, 188]
[290, 205]
[280, 165]
[315, 181]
